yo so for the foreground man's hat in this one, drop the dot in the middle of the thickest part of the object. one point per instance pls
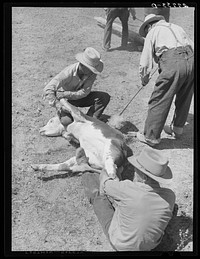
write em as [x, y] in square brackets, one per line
[149, 18]
[152, 163]
[91, 58]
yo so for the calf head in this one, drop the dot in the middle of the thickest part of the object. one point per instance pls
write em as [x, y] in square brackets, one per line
[53, 128]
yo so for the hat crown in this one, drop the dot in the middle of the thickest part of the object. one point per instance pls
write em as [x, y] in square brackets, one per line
[153, 161]
[149, 16]
[91, 56]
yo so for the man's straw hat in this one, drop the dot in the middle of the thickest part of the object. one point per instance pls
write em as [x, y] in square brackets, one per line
[149, 18]
[152, 163]
[91, 58]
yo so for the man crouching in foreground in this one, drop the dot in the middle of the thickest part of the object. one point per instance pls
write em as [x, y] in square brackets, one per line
[133, 214]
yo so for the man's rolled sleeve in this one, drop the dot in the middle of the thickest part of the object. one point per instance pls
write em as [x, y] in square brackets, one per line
[52, 87]
[103, 178]
[146, 60]
[112, 187]
[49, 92]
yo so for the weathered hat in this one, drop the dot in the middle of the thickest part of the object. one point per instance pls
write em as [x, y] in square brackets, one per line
[152, 163]
[149, 18]
[91, 58]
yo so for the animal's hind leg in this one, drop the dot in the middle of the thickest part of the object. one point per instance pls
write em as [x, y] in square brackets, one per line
[65, 166]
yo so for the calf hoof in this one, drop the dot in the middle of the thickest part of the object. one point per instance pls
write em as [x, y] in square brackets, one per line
[35, 167]
[113, 176]
[132, 134]
[67, 135]
[42, 132]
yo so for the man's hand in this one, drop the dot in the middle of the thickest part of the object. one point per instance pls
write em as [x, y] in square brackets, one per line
[145, 80]
[134, 17]
[58, 106]
[59, 95]
[102, 178]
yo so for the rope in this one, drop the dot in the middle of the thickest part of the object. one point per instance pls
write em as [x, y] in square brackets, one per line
[136, 93]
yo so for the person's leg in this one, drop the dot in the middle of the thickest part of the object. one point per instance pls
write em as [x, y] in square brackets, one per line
[111, 16]
[174, 67]
[91, 184]
[104, 212]
[184, 98]
[96, 100]
[101, 100]
[159, 105]
[124, 15]
[172, 71]
[102, 206]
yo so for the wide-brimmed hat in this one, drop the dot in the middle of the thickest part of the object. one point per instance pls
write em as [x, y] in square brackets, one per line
[91, 58]
[152, 163]
[149, 18]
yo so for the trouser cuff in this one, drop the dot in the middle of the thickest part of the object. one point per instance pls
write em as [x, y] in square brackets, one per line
[177, 130]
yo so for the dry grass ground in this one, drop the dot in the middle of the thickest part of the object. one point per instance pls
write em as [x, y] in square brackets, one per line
[54, 215]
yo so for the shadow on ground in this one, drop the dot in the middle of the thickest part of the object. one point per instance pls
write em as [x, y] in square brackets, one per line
[186, 141]
[62, 175]
[177, 234]
[131, 47]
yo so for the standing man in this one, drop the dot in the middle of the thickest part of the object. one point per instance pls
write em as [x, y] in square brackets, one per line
[111, 15]
[133, 214]
[170, 47]
[164, 11]
[75, 84]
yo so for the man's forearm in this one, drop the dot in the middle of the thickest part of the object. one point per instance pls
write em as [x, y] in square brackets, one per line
[50, 97]
[70, 95]
[49, 92]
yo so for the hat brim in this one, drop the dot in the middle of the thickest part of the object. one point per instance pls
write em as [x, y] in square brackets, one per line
[97, 70]
[166, 178]
[155, 18]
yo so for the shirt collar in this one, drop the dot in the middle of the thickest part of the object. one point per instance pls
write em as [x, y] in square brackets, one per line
[161, 22]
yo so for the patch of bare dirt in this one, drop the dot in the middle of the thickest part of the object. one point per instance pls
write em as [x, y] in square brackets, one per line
[54, 215]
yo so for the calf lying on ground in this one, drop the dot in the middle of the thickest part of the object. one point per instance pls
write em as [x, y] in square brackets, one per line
[104, 146]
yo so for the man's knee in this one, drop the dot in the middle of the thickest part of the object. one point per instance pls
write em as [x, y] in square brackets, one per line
[106, 98]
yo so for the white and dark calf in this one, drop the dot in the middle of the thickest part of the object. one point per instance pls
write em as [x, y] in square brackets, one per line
[103, 146]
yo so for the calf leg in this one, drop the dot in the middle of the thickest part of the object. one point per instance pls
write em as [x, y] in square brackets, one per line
[66, 166]
[78, 163]
[82, 162]
[75, 112]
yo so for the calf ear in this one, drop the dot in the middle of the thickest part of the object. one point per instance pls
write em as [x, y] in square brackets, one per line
[52, 133]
